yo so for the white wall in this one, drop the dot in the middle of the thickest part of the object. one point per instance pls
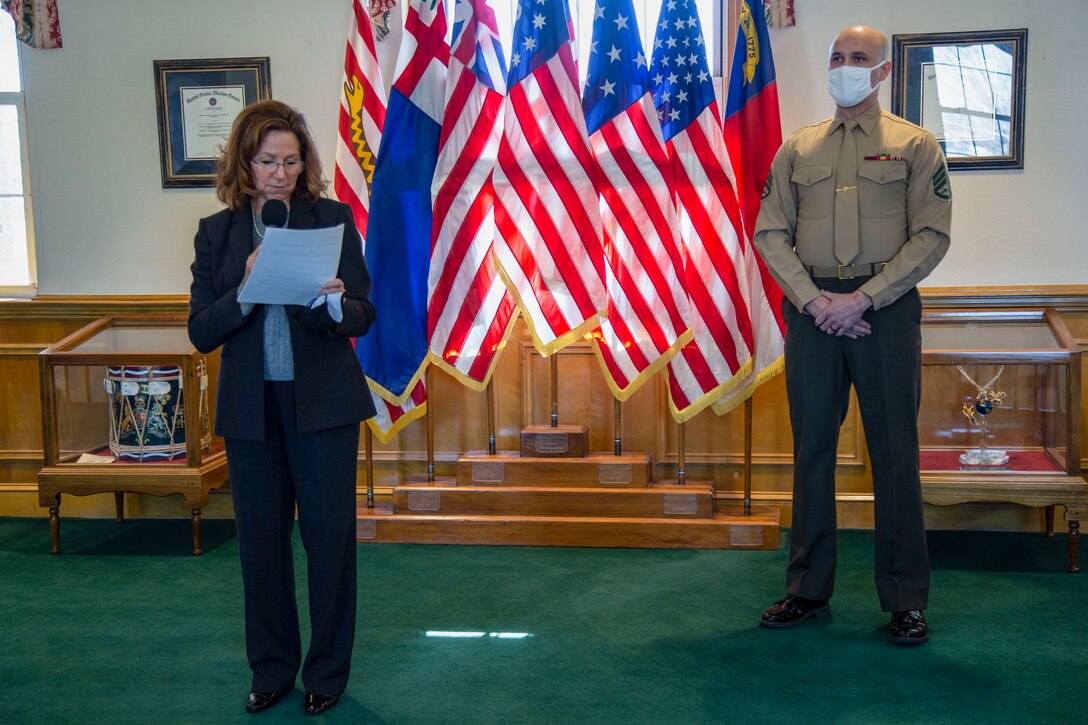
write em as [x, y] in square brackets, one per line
[105, 226]
[1009, 227]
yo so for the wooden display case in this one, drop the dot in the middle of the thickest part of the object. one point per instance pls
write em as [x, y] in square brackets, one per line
[125, 408]
[1004, 387]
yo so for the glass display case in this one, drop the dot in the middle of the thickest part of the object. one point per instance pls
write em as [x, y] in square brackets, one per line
[1000, 413]
[125, 408]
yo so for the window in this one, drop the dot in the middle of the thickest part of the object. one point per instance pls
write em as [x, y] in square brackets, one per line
[17, 273]
[966, 96]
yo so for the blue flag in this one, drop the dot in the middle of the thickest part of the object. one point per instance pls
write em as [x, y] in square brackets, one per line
[394, 352]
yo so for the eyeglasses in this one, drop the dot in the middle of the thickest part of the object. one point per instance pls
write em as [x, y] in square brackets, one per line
[269, 166]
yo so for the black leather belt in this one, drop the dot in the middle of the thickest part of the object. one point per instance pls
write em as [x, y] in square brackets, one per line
[847, 271]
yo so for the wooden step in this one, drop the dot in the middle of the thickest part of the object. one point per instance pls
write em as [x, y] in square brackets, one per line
[596, 469]
[693, 500]
[729, 529]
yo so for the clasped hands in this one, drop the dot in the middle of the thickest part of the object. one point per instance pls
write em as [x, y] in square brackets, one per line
[840, 314]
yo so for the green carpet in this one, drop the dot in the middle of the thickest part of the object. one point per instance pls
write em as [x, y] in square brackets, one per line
[126, 627]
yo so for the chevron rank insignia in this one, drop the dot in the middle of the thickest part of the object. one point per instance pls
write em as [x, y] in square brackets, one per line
[767, 186]
[941, 188]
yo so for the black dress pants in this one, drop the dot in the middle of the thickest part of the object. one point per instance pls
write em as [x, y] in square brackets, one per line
[885, 369]
[316, 472]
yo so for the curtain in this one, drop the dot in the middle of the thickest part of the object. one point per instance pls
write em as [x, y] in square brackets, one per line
[36, 22]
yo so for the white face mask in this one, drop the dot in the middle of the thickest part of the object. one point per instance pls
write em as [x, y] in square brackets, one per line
[849, 84]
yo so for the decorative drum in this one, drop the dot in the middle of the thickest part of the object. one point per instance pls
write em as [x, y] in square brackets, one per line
[147, 412]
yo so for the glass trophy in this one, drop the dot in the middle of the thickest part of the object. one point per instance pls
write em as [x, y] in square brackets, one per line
[978, 413]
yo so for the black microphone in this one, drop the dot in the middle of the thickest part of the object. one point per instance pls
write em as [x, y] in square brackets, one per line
[274, 213]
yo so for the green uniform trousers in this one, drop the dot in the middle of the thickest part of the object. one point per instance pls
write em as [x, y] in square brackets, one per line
[885, 369]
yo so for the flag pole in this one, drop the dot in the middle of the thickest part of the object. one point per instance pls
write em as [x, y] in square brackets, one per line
[681, 475]
[617, 441]
[430, 427]
[368, 445]
[491, 447]
[555, 390]
[748, 456]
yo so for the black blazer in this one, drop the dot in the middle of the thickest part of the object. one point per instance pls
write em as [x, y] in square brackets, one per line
[330, 388]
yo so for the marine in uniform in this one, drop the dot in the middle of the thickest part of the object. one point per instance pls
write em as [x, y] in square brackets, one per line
[856, 211]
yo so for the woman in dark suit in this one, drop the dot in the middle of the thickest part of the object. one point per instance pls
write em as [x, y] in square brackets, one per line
[291, 397]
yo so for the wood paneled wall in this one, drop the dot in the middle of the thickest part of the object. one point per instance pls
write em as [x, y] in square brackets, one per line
[714, 444]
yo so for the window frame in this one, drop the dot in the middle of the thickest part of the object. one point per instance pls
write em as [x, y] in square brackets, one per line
[17, 99]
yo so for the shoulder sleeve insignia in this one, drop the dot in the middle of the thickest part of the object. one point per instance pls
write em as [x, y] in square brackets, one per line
[768, 186]
[942, 189]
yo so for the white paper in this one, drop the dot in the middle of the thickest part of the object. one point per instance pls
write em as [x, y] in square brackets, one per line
[292, 265]
[92, 458]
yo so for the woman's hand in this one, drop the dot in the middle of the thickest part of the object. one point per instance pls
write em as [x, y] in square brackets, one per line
[250, 261]
[331, 287]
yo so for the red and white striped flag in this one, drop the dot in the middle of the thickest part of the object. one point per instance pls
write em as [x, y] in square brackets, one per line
[549, 225]
[647, 316]
[720, 354]
[361, 120]
[469, 308]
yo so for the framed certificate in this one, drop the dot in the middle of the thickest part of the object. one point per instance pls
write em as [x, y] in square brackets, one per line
[198, 101]
[967, 89]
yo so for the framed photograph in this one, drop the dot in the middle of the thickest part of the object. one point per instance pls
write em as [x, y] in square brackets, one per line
[198, 101]
[967, 89]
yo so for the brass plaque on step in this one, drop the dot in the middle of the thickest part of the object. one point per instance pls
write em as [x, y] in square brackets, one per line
[746, 536]
[488, 472]
[680, 503]
[614, 473]
[366, 529]
[551, 443]
[424, 500]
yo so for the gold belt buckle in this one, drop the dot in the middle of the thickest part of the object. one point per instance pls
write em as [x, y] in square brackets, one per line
[846, 275]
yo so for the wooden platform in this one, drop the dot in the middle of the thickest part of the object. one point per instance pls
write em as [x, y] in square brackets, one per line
[596, 469]
[726, 530]
[601, 500]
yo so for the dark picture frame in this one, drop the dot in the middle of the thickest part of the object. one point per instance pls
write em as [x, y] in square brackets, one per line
[968, 90]
[198, 100]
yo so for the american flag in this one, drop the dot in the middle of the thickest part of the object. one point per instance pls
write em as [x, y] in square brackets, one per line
[549, 226]
[362, 118]
[709, 216]
[647, 316]
[389, 419]
[470, 310]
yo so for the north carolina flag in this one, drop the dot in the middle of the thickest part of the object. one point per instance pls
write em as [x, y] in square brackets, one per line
[753, 133]
[394, 352]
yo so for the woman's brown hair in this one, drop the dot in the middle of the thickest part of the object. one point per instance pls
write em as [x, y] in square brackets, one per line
[234, 175]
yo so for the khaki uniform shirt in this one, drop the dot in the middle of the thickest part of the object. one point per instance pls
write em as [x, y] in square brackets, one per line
[904, 206]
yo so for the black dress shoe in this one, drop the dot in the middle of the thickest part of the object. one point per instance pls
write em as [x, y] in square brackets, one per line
[793, 610]
[258, 701]
[317, 704]
[908, 627]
